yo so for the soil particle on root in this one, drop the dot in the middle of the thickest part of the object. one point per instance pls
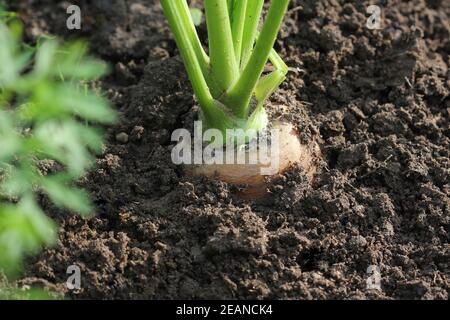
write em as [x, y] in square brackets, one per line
[381, 197]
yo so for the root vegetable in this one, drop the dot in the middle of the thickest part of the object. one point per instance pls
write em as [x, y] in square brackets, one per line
[291, 151]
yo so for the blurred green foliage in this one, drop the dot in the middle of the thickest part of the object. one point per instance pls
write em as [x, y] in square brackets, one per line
[12, 292]
[197, 16]
[46, 110]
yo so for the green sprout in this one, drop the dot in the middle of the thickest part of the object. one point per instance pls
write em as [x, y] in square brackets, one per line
[228, 82]
[47, 140]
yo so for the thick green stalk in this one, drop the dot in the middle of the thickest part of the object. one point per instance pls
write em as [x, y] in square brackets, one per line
[253, 14]
[172, 9]
[223, 61]
[237, 27]
[240, 93]
[189, 26]
[231, 5]
[202, 57]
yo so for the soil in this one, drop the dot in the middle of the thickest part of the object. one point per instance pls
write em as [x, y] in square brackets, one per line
[379, 99]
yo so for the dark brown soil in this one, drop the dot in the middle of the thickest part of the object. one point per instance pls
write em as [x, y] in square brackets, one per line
[380, 101]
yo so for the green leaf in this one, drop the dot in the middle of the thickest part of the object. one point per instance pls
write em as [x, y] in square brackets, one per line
[63, 196]
[45, 58]
[72, 63]
[87, 69]
[85, 104]
[46, 107]
[197, 16]
[18, 180]
[61, 141]
[8, 71]
[10, 142]
[9, 146]
[91, 137]
[24, 229]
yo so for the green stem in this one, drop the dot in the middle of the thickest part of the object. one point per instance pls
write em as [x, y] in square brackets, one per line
[240, 93]
[202, 57]
[253, 13]
[277, 62]
[237, 27]
[230, 5]
[189, 26]
[223, 61]
[172, 9]
[268, 84]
